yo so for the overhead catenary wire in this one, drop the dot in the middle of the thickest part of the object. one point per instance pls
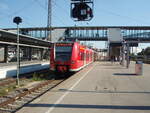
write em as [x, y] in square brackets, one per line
[28, 5]
[41, 5]
[38, 2]
[53, 13]
[123, 16]
[11, 15]
[60, 7]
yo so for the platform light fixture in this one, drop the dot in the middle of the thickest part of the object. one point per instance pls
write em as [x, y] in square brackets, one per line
[18, 20]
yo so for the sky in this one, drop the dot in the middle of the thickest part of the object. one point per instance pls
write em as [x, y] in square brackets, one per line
[106, 13]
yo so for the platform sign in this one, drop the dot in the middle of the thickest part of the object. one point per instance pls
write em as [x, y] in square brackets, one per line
[114, 35]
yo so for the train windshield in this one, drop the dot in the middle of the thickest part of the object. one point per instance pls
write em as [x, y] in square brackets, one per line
[63, 48]
[63, 53]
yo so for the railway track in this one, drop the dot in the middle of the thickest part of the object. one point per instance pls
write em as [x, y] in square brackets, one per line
[12, 103]
[11, 80]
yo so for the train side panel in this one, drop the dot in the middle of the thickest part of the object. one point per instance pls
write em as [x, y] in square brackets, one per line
[77, 61]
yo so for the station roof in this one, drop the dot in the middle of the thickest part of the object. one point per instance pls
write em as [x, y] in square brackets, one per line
[10, 38]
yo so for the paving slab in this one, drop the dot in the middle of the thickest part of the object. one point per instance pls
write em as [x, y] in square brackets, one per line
[102, 87]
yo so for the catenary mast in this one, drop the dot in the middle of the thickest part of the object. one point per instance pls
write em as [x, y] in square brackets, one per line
[49, 20]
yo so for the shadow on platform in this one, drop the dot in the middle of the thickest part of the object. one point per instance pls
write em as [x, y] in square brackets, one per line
[121, 107]
[103, 91]
[125, 74]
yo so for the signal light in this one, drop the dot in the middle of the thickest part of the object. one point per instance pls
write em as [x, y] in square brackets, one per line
[17, 20]
[82, 10]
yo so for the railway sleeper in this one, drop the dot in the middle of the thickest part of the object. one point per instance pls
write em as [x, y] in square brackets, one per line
[13, 105]
[51, 86]
[26, 99]
[18, 104]
[48, 88]
[20, 101]
[6, 110]
[30, 96]
[35, 93]
[40, 92]
[43, 89]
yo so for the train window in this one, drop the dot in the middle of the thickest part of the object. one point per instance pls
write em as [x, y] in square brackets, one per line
[63, 53]
[62, 57]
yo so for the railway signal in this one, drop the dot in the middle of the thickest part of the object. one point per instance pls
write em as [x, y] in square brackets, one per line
[18, 20]
[81, 10]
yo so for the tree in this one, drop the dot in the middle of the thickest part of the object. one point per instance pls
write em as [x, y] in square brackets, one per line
[147, 51]
[142, 52]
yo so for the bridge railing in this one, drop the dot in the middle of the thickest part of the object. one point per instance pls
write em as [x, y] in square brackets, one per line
[102, 34]
[92, 33]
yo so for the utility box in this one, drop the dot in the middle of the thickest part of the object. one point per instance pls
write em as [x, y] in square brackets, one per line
[139, 68]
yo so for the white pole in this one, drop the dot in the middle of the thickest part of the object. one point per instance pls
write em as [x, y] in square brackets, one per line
[127, 57]
[49, 21]
[18, 56]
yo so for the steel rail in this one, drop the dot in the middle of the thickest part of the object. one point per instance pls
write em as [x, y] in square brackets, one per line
[28, 93]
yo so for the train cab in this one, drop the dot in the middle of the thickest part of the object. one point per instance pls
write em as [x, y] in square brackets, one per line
[69, 57]
[61, 56]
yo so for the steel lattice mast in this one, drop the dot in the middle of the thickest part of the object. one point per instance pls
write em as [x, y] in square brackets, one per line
[49, 20]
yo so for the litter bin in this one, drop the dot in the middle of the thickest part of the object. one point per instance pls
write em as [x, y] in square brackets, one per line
[139, 68]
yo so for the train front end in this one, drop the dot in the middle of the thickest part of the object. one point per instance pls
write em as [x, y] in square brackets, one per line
[60, 57]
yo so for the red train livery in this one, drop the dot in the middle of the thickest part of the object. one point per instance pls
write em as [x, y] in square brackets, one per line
[70, 57]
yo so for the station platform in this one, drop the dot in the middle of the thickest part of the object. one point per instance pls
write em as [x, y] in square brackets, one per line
[101, 87]
[9, 69]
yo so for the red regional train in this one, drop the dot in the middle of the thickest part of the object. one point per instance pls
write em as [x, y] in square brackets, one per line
[69, 57]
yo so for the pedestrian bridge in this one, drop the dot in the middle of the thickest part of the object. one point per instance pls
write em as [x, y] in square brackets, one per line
[141, 34]
[93, 33]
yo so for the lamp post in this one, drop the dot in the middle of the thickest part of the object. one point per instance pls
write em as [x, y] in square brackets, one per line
[18, 20]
